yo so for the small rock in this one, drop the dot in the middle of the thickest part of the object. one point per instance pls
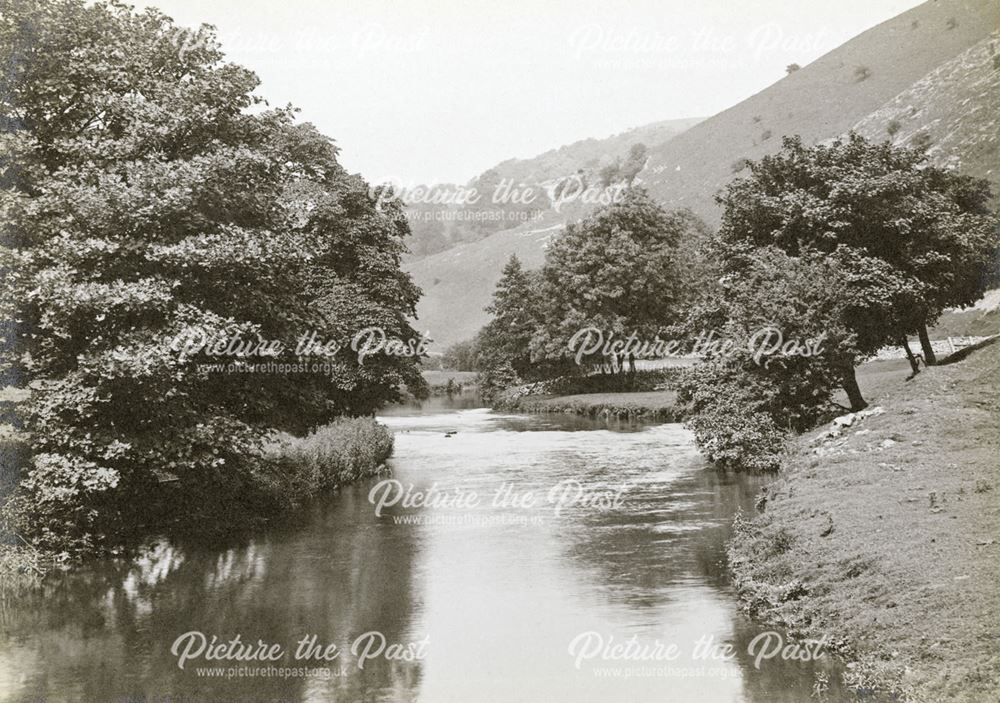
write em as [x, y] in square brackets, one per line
[886, 443]
[845, 420]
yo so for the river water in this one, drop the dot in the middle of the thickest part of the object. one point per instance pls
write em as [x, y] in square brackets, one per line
[537, 558]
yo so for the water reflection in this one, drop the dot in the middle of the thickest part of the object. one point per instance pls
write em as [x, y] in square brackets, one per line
[501, 589]
[105, 634]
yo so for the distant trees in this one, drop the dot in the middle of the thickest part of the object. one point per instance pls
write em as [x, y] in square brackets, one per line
[504, 343]
[143, 203]
[792, 68]
[462, 356]
[621, 270]
[627, 170]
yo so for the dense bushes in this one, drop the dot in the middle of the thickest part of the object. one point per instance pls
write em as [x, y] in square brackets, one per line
[728, 417]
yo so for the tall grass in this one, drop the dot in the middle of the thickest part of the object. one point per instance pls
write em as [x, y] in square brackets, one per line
[297, 468]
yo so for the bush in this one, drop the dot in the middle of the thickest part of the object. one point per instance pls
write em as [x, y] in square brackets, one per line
[296, 469]
[892, 127]
[495, 378]
[740, 412]
[734, 436]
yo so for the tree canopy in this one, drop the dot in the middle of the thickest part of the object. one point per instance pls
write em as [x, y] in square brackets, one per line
[148, 195]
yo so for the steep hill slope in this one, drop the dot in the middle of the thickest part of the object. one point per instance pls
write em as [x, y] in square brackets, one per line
[459, 283]
[824, 99]
[955, 109]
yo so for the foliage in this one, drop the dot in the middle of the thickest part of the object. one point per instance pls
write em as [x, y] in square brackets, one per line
[855, 244]
[918, 237]
[295, 469]
[617, 271]
[143, 200]
[743, 399]
[725, 410]
[462, 356]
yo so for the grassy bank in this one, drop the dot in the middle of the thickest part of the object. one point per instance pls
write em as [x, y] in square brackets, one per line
[645, 394]
[886, 537]
[297, 469]
[651, 405]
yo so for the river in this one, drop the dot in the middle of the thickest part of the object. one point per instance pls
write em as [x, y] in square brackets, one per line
[540, 558]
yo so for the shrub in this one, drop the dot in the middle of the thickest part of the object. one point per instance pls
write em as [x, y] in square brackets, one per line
[739, 438]
[892, 128]
[495, 378]
[296, 469]
[922, 141]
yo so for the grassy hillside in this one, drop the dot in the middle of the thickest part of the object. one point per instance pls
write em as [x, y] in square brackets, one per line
[955, 109]
[458, 283]
[886, 539]
[929, 66]
[435, 231]
[822, 100]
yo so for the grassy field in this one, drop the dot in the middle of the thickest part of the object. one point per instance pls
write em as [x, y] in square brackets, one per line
[888, 540]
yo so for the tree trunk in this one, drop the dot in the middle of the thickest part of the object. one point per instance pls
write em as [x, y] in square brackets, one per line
[914, 364]
[853, 391]
[925, 345]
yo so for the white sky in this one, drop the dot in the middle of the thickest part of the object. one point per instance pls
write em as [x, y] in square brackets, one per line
[423, 92]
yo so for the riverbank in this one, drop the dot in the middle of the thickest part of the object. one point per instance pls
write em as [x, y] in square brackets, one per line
[290, 472]
[884, 537]
[648, 405]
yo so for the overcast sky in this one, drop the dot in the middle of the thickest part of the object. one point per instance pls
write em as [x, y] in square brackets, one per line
[423, 92]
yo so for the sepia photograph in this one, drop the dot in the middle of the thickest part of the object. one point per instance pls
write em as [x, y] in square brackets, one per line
[443, 351]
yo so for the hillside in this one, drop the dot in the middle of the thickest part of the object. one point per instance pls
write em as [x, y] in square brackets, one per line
[458, 283]
[923, 67]
[436, 227]
[955, 109]
[822, 100]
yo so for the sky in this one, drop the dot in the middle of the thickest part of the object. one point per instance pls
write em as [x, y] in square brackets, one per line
[433, 92]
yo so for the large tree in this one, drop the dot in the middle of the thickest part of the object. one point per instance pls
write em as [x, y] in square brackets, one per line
[923, 232]
[617, 271]
[147, 197]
